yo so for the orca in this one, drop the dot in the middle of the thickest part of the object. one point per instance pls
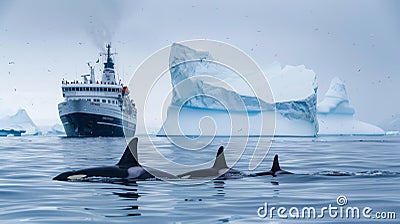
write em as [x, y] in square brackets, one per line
[219, 170]
[275, 170]
[128, 167]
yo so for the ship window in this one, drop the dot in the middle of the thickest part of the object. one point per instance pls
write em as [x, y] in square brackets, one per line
[104, 101]
[108, 90]
[109, 101]
[87, 88]
[88, 100]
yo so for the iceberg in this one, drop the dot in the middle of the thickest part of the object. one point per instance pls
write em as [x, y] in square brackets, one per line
[20, 121]
[54, 130]
[295, 94]
[224, 104]
[336, 115]
[391, 124]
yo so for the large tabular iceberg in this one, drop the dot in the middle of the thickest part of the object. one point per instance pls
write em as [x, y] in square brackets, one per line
[336, 115]
[210, 99]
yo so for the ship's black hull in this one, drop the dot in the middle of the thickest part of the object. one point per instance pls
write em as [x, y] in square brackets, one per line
[92, 125]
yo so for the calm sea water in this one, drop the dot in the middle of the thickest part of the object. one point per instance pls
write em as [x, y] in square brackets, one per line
[364, 169]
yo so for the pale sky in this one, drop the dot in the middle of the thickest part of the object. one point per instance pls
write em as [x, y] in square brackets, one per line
[44, 41]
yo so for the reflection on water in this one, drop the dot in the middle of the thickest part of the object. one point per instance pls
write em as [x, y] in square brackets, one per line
[219, 186]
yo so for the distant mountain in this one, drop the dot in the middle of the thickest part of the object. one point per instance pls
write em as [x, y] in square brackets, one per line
[391, 124]
[20, 121]
[56, 129]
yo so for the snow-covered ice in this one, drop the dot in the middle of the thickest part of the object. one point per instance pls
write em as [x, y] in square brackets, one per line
[336, 115]
[392, 123]
[53, 130]
[205, 89]
[209, 99]
[19, 121]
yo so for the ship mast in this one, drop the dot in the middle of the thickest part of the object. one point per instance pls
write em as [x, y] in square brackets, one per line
[108, 72]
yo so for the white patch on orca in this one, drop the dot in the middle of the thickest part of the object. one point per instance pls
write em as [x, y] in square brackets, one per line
[135, 172]
[186, 176]
[78, 176]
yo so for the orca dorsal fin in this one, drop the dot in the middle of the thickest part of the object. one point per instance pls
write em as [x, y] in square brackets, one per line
[220, 161]
[275, 165]
[130, 157]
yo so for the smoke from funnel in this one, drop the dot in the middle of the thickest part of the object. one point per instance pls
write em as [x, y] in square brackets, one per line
[104, 21]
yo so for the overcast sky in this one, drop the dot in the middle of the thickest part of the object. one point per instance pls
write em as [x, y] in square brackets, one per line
[42, 42]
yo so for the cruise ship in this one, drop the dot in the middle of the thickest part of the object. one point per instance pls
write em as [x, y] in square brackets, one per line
[93, 108]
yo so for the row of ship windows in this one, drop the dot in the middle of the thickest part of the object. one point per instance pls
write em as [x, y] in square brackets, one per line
[103, 101]
[92, 89]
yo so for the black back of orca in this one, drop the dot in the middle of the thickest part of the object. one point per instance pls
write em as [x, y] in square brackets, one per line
[276, 169]
[104, 171]
[219, 170]
[120, 170]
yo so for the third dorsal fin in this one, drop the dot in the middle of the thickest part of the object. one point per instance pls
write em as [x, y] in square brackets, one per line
[275, 165]
[220, 161]
[130, 158]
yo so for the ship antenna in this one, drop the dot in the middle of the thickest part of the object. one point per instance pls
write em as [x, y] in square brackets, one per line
[108, 50]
